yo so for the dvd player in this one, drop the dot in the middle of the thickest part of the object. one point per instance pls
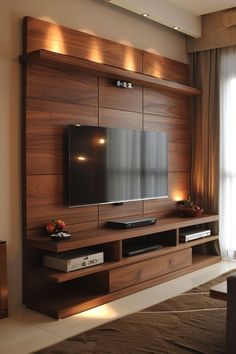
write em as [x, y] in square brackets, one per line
[130, 223]
[138, 249]
[193, 234]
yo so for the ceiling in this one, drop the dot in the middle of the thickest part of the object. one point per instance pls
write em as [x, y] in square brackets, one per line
[183, 14]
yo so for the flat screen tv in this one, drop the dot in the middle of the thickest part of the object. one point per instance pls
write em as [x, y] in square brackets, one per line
[110, 165]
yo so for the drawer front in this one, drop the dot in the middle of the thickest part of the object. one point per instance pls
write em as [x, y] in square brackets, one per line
[126, 276]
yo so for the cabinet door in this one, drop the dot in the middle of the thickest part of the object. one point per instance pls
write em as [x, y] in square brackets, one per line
[124, 277]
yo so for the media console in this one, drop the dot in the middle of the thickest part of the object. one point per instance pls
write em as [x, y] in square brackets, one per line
[127, 266]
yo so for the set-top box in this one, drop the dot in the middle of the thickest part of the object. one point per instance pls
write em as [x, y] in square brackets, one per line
[73, 260]
[193, 234]
[131, 223]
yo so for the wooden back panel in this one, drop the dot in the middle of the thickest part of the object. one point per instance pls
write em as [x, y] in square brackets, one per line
[58, 97]
[44, 35]
[165, 68]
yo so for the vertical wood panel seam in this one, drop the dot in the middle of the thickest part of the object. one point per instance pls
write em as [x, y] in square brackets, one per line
[98, 101]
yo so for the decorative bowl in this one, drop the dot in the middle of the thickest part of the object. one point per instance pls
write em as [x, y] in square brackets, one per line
[190, 211]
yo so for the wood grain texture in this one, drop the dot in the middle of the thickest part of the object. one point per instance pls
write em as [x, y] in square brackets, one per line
[61, 61]
[3, 281]
[49, 83]
[115, 118]
[45, 136]
[179, 139]
[179, 185]
[179, 156]
[165, 68]
[111, 96]
[112, 211]
[178, 130]
[159, 207]
[45, 201]
[168, 104]
[49, 36]
[124, 277]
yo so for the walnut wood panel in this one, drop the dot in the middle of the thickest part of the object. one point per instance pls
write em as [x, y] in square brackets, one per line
[124, 277]
[179, 139]
[179, 156]
[3, 281]
[179, 185]
[49, 83]
[45, 201]
[165, 68]
[159, 207]
[49, 36]
[111, 96]
[46, 122]
[178, 130]
[168, 104]
[111, 211]
[115, 118]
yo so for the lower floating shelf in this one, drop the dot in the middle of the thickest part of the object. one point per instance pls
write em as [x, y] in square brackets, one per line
[67, 303]
[203, 260]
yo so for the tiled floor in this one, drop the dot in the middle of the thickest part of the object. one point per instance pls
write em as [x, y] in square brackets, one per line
[26, 331]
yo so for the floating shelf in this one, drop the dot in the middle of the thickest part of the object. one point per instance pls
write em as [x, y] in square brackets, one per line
[106, 71]
[61, 277]
[105, 235]
[64, 303]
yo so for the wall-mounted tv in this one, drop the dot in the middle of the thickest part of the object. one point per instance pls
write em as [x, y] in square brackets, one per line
[110, 165]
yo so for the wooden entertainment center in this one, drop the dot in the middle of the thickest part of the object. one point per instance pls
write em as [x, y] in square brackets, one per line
[68, 78]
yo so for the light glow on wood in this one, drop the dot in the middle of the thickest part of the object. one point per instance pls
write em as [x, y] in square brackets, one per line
[178, 195]
[129, 59]
[95, 54]
[100, 312]
[54, 40]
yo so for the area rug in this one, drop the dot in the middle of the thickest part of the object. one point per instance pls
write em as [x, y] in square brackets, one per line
[190, 323]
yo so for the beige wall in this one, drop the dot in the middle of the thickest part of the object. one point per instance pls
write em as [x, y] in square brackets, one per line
[93, 16]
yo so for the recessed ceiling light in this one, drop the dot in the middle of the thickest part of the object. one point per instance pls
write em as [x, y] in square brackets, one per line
[175, 28]
[145, 15]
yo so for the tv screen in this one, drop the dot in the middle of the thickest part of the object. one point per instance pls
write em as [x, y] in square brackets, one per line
[110, 165]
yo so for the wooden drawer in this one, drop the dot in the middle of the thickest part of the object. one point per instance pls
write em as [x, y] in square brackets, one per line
[126, 276]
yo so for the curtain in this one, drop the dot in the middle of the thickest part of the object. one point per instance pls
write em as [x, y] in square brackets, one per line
[205, 137]
[205, 134]
[228, 152]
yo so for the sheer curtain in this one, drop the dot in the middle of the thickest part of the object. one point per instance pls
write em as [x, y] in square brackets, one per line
[228, 152]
